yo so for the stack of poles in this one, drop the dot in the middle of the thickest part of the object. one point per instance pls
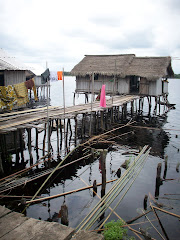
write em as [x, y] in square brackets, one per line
[106, 201]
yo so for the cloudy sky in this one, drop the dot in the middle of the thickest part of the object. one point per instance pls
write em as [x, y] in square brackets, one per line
[61, 32]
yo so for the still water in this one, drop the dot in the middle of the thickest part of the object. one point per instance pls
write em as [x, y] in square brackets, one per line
[167, 142]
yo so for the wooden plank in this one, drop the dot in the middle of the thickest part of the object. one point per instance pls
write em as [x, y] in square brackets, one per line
[3, 211]
[10, 222]
[35, 229]
[26, 111]
[82, 108]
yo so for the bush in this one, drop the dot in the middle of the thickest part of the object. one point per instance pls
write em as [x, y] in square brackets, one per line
[115, 231]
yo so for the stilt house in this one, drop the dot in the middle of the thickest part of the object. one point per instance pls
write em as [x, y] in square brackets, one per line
[123, 74]
[12, 71]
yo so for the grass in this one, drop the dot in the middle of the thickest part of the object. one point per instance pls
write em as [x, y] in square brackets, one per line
[115, 231]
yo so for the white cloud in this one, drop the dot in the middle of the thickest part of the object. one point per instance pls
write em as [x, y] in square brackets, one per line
[62, 32]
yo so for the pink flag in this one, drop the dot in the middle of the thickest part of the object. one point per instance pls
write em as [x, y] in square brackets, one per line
[103, 97]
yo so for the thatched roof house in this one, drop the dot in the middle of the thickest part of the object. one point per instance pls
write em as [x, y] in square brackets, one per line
[141, 75]
[12, 71]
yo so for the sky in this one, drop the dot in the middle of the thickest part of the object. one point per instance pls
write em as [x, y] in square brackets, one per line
[58, 33]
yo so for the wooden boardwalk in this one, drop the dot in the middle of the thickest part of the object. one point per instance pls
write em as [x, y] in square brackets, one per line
[33, 117]
[15, 226]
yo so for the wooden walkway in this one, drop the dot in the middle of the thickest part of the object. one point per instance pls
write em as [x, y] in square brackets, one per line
[33, 117]
[15, 226]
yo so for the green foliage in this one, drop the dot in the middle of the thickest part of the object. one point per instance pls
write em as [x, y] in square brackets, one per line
[176, 75]
[115, 231]
[67, 74]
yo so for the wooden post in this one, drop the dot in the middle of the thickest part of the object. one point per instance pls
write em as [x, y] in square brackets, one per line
[158, 180]
[102, 120]
[94, 188]
[165, 167]
[132, 108]
[21, 145]
[75, 134]
[15, 146]
[66, 136]
[44, 139]
[103, 153]
[150, 105]
[1, 166]
[29, 145]
[139, 106]
[142, 104]
[122, 113]
[145, 202]
[49, 136]
[37, 148]
[74, 99]
[159, 105]
[83, 126]
[155, 108]
[64, 215]
[125, 110]
[57, 131]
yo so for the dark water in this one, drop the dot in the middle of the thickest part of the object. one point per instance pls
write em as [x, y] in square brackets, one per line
[166, 142]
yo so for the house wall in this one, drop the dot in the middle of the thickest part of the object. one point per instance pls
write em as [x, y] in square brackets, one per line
[37, 80]
[144, 86]
[155, 87]
[14, 77]
[84, 84]
[165, 87]
[123, 86]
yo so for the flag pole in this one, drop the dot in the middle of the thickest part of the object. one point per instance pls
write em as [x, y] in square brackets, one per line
[48, 112]
[92, 100]
[64, 110]
[63, 92]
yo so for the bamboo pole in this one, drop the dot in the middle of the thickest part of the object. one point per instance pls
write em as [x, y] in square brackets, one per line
[113, 192]
[164, 231]
[136, 218]
[133, 230]
[50, 176]
[125, 191]
[162, 210]
[66, 193]
[154, 227]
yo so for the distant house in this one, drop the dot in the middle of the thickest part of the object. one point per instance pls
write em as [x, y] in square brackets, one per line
[12, 71]
[123, 74]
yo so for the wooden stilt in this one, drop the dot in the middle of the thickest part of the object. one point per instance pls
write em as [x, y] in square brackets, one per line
[1, 166]
[75, 134]
[21, 144]
[15, 146]
[158, 179]
[44, 139]
[165, 167]
[102, 160]
[102, 120]
[64, 215]
[37, 147]
[29, 145]
[132, 108]
[57, 131]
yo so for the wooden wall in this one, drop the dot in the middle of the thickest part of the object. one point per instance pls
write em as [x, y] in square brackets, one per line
[122, 86]
[83, 84]
[13, 77]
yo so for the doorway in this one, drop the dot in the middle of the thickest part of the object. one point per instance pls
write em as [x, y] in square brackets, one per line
[134, 84]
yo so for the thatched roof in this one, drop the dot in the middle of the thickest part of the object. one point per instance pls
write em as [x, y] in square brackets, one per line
[103, 64]
[151, 67]
[124, 65]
